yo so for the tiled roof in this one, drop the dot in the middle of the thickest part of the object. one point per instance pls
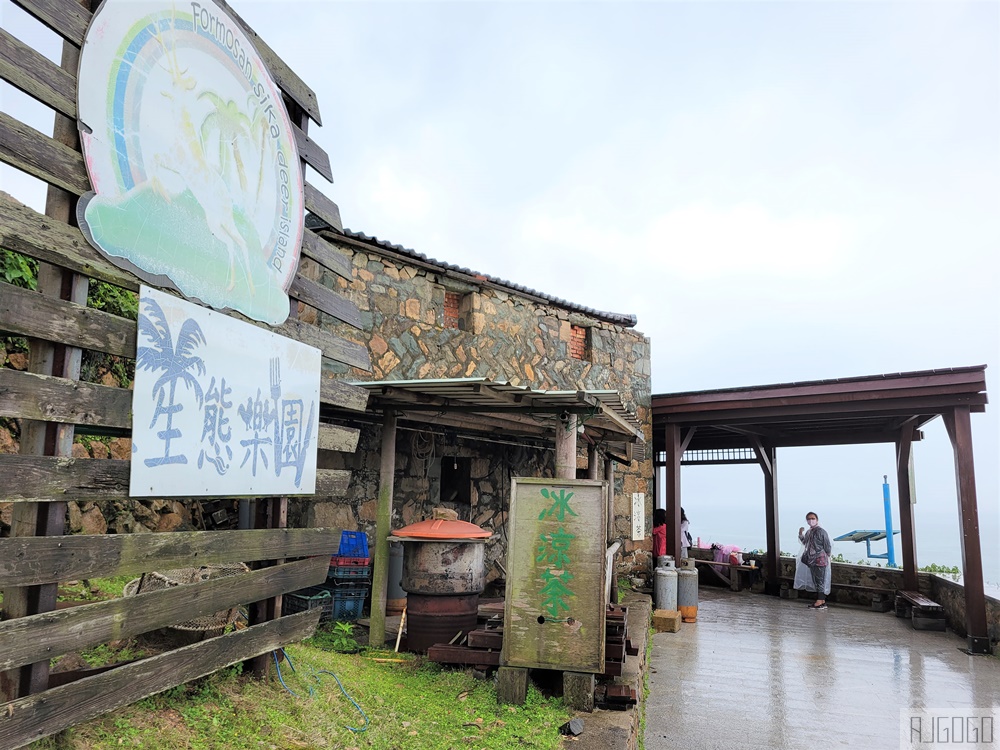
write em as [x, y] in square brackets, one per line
[628, 321]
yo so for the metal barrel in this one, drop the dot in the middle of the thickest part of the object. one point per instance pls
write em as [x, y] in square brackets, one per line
[438, 619]
[687, 591]
[665, 586]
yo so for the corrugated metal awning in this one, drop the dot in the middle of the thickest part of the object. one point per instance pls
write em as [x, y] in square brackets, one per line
[494, 406]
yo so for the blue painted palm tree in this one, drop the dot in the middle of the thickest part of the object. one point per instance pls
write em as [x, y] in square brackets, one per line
[176, 363]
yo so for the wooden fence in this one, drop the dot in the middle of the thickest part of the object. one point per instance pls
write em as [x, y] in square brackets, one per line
[53, 406]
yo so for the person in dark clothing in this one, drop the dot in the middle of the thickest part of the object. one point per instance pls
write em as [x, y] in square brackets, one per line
[816, 554]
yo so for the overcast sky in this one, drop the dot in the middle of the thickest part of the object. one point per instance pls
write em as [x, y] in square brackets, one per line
[779, 191]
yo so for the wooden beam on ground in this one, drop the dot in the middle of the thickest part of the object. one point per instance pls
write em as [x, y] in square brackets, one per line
[51, 634]
[31, 718]
[29, 561]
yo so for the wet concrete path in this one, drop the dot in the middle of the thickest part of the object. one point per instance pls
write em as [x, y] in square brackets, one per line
[760, 672]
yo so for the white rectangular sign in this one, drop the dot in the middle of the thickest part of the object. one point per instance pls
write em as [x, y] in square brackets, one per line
[638, 516]
[220, 407]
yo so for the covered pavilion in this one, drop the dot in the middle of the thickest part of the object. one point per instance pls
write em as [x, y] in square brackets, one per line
[748, 425]
[490, 410]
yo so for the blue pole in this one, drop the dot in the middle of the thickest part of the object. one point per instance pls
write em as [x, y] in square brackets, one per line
[888, 522]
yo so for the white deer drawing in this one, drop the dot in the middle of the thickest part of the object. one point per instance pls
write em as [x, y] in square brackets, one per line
[185, 159]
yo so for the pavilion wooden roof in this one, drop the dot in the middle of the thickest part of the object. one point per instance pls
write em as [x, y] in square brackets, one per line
[840, 411]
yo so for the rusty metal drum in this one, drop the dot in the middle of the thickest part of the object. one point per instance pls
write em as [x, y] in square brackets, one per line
[443, 568]
[443, 557]
[438, 619]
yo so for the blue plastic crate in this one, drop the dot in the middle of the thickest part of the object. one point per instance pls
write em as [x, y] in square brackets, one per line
[312, 597]
[348, 602]
[353, 544]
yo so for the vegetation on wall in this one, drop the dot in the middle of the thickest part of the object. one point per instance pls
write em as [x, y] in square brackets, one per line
[21, 271]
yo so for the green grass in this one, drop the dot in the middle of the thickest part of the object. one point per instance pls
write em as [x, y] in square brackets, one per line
[409, 704]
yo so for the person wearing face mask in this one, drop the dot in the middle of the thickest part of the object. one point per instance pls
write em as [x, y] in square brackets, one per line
[816, 554]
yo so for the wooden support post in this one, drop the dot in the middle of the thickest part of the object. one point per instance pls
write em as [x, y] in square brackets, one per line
[267, 513]
[609, 477]
[593, 465]
[566, 447]
[512, 685]
[767, 457]
[959, 428]
[383, 519]
[672, 489]
[578, 691]
[904, 483]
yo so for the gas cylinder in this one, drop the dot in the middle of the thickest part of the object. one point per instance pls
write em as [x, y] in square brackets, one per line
[687, 591]
[665, 584]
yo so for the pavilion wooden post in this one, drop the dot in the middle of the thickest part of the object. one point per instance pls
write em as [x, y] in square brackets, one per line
[383, 517]
[904, 482]
[672, 489]
[767, 457]
[959, 428]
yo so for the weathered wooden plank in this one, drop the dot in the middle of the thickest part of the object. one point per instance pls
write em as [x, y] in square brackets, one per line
[323, 207]
[31, 561]
[312, 153]
[331, 482]
[25, 395]
[28, 719]
[331, 345]
[331, 437]
[30, 639]
[27, 313]
[37, 76]
[283, 76]
[27, 149]
[344, 395]
[321, 251]
[70, 21]
[28, 232]
[539, 630]
[65, 17]
[326, 300]
[51, 479]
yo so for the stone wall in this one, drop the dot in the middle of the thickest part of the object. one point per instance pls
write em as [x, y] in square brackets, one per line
[407, 305]
[951, 596]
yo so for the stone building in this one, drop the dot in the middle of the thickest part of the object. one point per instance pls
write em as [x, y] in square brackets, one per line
[430, 321]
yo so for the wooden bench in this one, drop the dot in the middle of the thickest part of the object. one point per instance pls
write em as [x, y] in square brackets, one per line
[881, 599]
[736, 572]
[924, 613]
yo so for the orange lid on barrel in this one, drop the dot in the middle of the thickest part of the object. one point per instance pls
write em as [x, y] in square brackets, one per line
[440, 528]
